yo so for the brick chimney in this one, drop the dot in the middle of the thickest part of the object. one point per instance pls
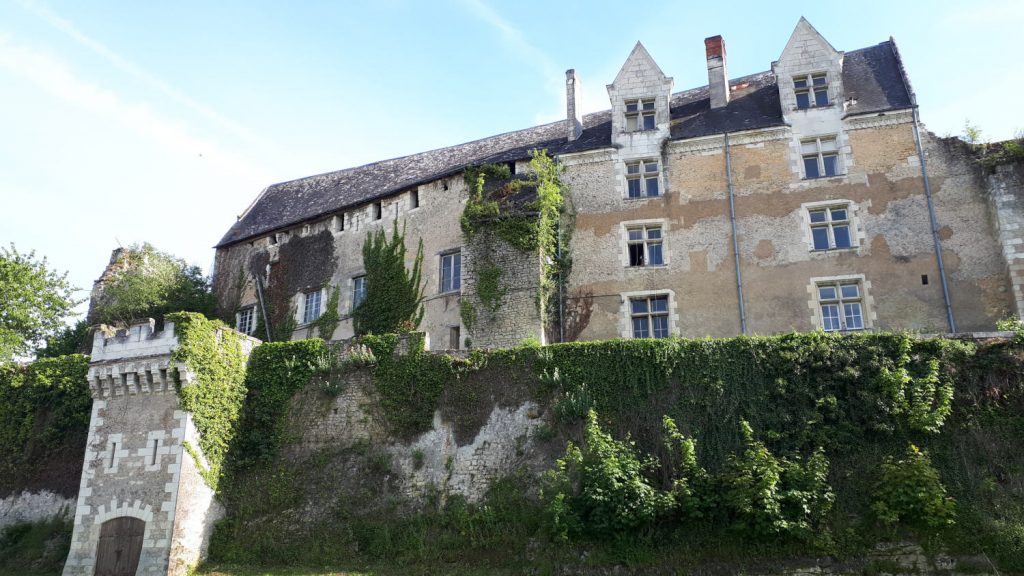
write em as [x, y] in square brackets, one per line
[718, 77]
[573, 106]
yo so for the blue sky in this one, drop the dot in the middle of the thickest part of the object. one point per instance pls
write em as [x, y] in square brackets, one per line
[125, 122]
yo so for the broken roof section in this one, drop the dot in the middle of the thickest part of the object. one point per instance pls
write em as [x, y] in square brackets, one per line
[872, 78]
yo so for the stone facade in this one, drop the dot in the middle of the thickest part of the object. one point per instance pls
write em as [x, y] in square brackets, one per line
[1006, 184]
[687, 202]
[135, 462]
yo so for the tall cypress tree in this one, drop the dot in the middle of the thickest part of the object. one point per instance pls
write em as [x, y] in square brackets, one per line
[394, 294]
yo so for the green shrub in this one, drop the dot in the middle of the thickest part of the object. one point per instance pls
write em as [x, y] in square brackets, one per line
[909, 493]
[601, 488]
[765, 495]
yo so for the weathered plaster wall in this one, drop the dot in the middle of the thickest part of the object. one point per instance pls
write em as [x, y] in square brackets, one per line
[439, 461]
[892, 251]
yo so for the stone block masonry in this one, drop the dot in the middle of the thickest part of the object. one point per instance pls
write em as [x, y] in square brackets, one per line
[136, 465]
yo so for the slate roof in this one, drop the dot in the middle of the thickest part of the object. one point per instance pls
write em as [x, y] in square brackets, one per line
[871, 76]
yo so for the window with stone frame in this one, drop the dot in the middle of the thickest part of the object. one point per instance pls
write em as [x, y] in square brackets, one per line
[642, 179]
[644, 244]
[358, 291]
[311, 308]
[841, 303]
[811, 90]
[245, 320]
[820, 157]
[831, 227]
[451, 272]
[640, 115]
[649, 316]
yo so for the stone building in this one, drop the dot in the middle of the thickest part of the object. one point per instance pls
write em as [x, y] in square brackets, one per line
[800, 198]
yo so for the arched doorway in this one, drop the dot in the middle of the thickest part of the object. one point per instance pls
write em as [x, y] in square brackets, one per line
[117, 553]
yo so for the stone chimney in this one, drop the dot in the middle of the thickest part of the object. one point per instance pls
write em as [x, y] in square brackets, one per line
[718, 76]
[573, 106]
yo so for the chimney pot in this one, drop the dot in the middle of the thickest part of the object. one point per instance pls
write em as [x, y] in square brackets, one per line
[718, 76]
[573, 105]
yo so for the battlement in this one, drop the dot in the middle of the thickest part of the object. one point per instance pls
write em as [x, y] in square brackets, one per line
[140, 339]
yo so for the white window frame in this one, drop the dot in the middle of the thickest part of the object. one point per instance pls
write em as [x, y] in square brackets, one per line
[830, 223]
[358, 290]
[642, 110]
[838, 321]
[645, 242]
[812, 88]
[626, 310]
[643, 174]
[246, 314]
[819, 154]
[452, 280]
[307, 297]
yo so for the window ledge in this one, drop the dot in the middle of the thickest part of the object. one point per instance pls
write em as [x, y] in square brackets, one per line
[647, 267]
[817, 178]
[647, 197]
[833, 250]
[810, 108]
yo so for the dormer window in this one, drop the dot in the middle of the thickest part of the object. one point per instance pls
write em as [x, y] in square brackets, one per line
[640, 115]
[811, 90]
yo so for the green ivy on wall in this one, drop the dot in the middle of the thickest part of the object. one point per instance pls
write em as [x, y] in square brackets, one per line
[44, 407]
[496, 206]
[215, 357]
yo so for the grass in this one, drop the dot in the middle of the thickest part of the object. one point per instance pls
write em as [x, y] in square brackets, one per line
[35, 548]
[451, 570]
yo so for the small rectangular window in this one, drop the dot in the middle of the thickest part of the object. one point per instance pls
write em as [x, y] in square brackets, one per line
[246, 320]
[378, 211]
[338, 222]
[811, 90]
[644, 244]
[640, 115]
[414, 199]
[311, 306]
[642, 179]
[820, 157]
[451, 272]
[358, 291]
[649, 316]
[841, 305]
[830, 227]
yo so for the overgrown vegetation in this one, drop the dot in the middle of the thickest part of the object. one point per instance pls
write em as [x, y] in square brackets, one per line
[144, 282]
[394, 294]
[216, 359]
[682, 451]
[44, 419]
[523, 211]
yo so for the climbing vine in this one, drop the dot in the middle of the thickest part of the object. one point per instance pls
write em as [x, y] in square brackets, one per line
[523, 211]
[327, 323]
[394, 294]
[215, 357]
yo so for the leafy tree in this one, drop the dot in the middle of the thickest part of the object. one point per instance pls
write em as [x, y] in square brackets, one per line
[69, 340]
[145, 282]
[394, 294]
[34, 301]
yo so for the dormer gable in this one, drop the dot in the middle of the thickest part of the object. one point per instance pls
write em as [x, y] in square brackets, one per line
[809, 72]
[640, 97]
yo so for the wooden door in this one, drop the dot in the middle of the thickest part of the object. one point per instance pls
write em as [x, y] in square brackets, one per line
[117, 553]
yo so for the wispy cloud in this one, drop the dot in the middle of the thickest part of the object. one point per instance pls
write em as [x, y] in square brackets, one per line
[54, 77]
[515, 40]
[128, 67]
